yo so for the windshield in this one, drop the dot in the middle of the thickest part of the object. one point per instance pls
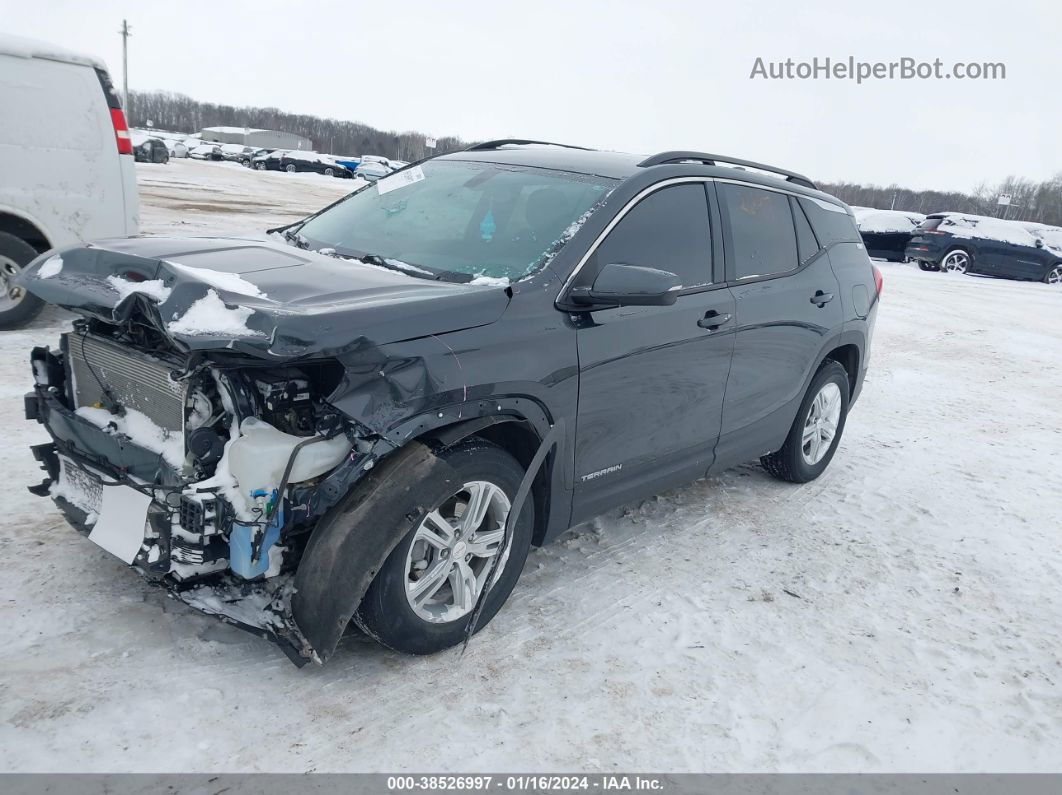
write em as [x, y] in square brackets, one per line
[460, 220]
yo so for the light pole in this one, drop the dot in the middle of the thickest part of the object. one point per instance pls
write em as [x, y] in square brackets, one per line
[125, 63]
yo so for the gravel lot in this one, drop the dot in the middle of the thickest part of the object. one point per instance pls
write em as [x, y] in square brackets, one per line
[901, 613]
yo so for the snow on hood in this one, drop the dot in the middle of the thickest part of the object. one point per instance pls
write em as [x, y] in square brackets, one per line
[869, 219]
[256, 297]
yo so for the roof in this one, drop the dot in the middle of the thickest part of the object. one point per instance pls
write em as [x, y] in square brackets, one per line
[19, 47]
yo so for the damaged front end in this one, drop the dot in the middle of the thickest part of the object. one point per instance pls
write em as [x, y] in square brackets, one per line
[206, 477]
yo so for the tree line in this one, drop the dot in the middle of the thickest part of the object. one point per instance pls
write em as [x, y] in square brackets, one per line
[179, 113]
[1029, 201]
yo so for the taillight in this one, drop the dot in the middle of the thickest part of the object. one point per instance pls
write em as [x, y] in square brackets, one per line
[121, 132]
[879, 281]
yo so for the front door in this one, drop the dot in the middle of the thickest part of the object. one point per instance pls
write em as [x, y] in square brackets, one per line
[652, 379]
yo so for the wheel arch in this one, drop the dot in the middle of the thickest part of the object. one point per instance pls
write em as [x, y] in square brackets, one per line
[849, 357]
[24, 229]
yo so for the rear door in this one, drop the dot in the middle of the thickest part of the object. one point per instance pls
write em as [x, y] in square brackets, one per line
[652, 379]
[788, 304]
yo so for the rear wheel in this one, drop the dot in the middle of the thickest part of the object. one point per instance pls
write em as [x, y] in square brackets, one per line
[955, 261]
[329, 172]
[290, 168]
[817, 429]
[16, 305]
[423, 597]
[1054, 276]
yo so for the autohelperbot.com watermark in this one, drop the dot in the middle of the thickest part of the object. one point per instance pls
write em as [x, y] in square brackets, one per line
[865, 71]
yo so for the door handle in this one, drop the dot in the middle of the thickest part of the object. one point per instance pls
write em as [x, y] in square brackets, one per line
[820, 299]
[713, 320]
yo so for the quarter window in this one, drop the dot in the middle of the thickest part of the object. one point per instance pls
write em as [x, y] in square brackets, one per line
[668, 230]
[761, 225]
[807, 246]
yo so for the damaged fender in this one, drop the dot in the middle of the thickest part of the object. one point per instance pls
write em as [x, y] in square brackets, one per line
[355, 537]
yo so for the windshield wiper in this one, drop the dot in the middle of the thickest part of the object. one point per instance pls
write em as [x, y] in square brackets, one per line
[418, 271]
[295, 239]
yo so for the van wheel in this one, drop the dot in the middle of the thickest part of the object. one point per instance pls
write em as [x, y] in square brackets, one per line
[16, 305]
[955, 261]
[817, 429]
[1054, 276]
[423, 597]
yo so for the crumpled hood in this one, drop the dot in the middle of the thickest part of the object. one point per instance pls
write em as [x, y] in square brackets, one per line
[257, 297]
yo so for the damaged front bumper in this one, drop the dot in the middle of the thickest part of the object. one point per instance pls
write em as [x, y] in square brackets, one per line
[82, 459]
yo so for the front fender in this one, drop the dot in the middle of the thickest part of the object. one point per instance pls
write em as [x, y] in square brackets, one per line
[355, 537]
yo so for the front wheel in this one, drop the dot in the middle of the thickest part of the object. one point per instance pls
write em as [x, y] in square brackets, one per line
[290, 168]
[955, 261]
[423, 597]
[817, 429]
[17, 306]
[1054, 276]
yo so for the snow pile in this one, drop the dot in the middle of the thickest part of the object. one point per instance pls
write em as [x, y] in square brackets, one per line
[50, 267]
[141, 430]
[491, 281]
[869, 219]
[223, 280]
[153, 288]
[211, 315]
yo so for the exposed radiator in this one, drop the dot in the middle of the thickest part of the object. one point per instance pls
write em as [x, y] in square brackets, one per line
[133, 379]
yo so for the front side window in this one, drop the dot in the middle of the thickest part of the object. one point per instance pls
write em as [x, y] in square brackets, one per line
[761, 225]
[459, 220]
[668, 230]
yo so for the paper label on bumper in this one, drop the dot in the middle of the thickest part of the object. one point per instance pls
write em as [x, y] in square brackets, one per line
[120, 527]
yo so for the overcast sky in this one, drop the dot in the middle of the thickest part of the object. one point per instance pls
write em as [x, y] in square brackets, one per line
[636, 76]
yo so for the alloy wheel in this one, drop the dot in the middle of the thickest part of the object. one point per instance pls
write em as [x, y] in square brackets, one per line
[453, 549]
[1055, 275]
[820, 427]
[10, 293]
[955, 262]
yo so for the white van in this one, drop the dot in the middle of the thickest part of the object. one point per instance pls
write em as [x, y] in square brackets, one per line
[66, 161]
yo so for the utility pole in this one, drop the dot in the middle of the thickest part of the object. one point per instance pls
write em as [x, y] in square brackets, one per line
[125, 63]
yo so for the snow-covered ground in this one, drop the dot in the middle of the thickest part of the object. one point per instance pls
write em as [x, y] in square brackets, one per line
[902, 613]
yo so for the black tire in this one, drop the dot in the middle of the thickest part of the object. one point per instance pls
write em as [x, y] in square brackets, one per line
[329, 172]
[789, 463]
[927, 266]
[290, 168]
[385, 613]
[16, 254]
[1054, 274]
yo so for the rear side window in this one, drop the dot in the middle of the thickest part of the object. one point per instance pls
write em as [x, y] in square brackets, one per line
[668, 230]
[108, 90]
[929, 225]
[807, 246]
[832, 224]
[761, 225]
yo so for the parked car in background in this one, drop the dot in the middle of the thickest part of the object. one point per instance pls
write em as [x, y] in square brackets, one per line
[886, 233]
[296, 444]
[373, 170]
[149, 150]
[268, 162]
[233, 152]
[246, 158]
[964, 243]
[66, 162]
[297, 161]
[176, 148]
[205, 152]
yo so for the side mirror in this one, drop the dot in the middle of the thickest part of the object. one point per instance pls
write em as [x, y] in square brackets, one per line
[629, 285]
[1039, 242]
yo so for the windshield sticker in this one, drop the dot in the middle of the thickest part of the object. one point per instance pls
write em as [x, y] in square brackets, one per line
[400, 180]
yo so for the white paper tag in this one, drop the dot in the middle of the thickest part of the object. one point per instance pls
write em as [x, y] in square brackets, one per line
[400, 180]
[120, 528]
